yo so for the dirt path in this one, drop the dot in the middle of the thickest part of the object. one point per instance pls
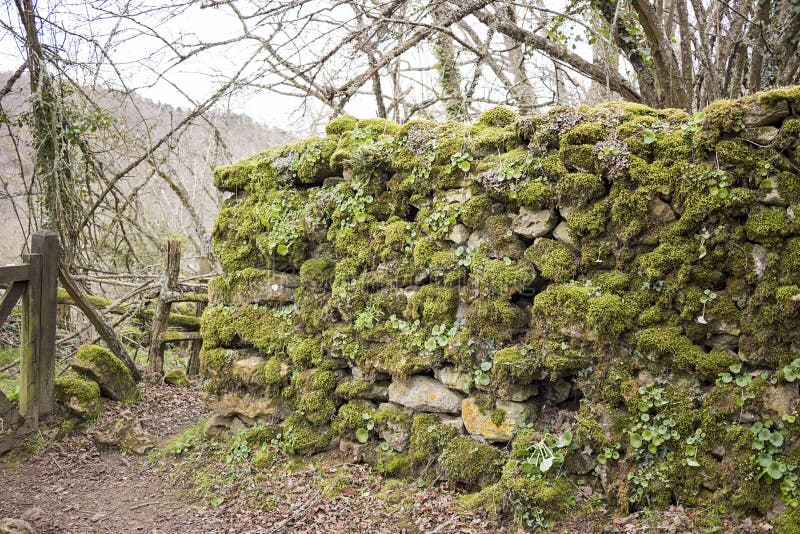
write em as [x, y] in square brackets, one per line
[72, 486]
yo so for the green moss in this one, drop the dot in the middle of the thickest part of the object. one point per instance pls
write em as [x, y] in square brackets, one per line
[579, 189]
[767, 225]
[494, 319]
[585, 133]
[554, 260]
[341, 124]
[667, 344]
[351, 416]
[100, 365]
[465, 461]
[500, 241]
[393, 464]
[216, 369]
[81, 397]
[271, 371]
[788, 186]
[351, 389]
[379, 126]
[317, 273]
[305, 353]
[540, 497]
[560, 359]
[536, 195]
[499, 117]
[444, 267]
[490, 500]
[579, 158]
[474, 210]
[303, 438]
[514, 364]
[588, 223]
[491, 139]
[176, 377]
[433, 304]
[497, 278]
[428, 438]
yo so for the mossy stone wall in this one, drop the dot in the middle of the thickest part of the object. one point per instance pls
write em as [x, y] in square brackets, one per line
[606, 294]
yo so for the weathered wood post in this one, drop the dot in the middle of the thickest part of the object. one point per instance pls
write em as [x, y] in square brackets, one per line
[38, 329]
[169, 284]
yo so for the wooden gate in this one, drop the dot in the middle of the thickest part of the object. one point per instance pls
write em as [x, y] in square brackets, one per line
[35, 282]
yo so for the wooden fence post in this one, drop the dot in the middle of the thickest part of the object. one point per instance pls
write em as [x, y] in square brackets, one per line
[38, 331]
[169, 284]
[193, 365]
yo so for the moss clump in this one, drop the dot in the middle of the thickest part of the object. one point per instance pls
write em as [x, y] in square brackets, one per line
[100, 365]
[514, 364]
[588, 132]
[560, 359]
[579, 189]
[554, 260]
[80, 397]
[216, 369]
[474, 210]
[548, 498]
[271, 372]
[499, 117]
[669, 346]
[499, 240]
[494, 319]
[489, 500]
[767, 225]
[428, 438]
[352, 415]
[498, 278]
[317, 273]
[579, 158]
[351, 389]
[465, 461]
[176, 377]
[341, 124]
[536, 195]
[304, 439]
[305, 353]
[433, 304]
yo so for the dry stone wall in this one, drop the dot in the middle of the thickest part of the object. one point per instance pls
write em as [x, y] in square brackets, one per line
[606, 295]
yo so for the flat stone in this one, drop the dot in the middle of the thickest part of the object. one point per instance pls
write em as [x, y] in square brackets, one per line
[580, 463]
[458, 234]
[249, 370]
[759, 264]
[221, 427]
[561, 234]
[396, 435]
[761, 135]
[782, 399]
[355, 451]
[253, 407]
[534, 223]
[480, 423]
[261, 287]
[424, 394]
[458, 195]
[451, 377]
[456, 423]
[10, 525]
[126, 433]
[765, 114]
[359, 374]
[518, 392]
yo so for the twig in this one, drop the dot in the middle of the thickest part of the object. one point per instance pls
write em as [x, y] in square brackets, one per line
[300, 512]
[446, 523]
[10, 365]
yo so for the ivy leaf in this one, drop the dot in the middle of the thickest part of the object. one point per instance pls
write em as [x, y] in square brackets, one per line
[636, 440]
[464, 165]
[485, 366]
[362, 435]
[430, 344]
[764, 459]
[282, 249]
[776, 438]
[564, 440]
[649, 137]
[692, 462]
[482, 379]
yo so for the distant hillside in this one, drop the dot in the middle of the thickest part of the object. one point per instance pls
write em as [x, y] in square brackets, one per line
[188, 159]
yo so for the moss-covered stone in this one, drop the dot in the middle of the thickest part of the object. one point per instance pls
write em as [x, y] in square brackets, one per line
[465, 461]
[80, 397]
[554, 260]
[101, 366]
